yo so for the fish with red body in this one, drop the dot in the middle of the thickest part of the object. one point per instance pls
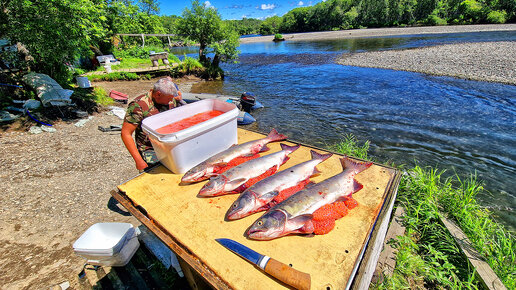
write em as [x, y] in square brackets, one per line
[231, 180]
[257, 197]
[295, 214]
[226, 159]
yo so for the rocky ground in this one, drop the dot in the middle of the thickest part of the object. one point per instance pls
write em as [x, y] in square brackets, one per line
[56, 185]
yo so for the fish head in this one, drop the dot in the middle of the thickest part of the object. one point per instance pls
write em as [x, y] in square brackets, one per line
[243, 206]
[199, 173]
[270, 226]
[214, 187]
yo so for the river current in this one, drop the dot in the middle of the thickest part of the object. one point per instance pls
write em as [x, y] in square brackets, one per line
[461, 126]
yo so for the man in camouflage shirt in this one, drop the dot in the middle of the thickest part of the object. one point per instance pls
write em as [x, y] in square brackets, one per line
[164, 96]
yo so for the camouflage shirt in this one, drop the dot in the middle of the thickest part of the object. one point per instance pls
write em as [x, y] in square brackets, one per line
[140, 108]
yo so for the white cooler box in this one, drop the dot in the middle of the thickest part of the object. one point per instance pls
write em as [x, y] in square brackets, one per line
[108, 244]
[184, 149]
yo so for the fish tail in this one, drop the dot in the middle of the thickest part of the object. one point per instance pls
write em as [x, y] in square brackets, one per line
[319, 156]
[356, 166]
[289, 149]
[275, 136]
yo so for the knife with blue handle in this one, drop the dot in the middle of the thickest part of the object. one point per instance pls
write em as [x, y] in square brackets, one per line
[276, 269]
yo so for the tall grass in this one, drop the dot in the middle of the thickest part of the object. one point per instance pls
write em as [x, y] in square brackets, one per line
[428, 256]
[349, 146]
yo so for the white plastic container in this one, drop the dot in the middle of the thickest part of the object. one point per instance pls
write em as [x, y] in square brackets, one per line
[184, 149]
[108, 244]
[83, 82]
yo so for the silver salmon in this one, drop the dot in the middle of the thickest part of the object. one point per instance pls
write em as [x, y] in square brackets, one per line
[237, 176]
[294, 215]
[213, 165]
[259, 196]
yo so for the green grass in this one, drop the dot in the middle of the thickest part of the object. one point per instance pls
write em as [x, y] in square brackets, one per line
[428, 256]
[349, 146]
[116, 76]
[134, 62]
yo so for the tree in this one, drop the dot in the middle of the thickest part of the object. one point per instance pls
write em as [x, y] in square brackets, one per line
[149, 6]
[54, 32]
[203, 25]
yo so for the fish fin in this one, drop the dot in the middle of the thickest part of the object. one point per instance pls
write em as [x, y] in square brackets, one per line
[290, 149]
[299, 221]
[275, 136]
[316, 172]
[269, 196]
[356, 166]
[310, 184]
[236, 182]
[308, 228]
[264, 149]
[284, 161]
[357, 186]
[319, 156]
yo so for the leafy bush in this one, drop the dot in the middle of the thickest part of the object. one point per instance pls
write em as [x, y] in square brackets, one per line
[190, 65]
[114, 76]
[433, 19]
[278, 36]
[101, 97]
[497, 17]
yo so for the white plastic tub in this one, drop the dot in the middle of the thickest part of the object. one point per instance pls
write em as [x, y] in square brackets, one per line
[108, 244]
[184, 149]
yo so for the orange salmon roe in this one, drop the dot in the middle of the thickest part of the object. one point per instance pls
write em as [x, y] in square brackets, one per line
[324, 218]
[326, 212]
[188, 122]
[237, 161]
[323, 227]
[254, 180]
[351, 203]
[287, 192]
[341, 208]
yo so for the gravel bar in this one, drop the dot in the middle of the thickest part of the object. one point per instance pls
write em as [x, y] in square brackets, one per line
[481, 61]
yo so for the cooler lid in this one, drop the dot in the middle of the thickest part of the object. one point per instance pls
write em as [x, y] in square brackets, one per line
[104, 238]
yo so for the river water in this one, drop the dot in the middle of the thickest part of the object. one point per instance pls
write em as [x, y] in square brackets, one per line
[464, 127]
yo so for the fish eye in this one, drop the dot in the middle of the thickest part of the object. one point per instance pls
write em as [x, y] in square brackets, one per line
[259, 223]
[235, 205]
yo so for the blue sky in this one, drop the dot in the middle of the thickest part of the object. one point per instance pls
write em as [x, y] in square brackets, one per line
[233, 9]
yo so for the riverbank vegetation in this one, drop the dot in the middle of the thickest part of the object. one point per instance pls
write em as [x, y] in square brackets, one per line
[347, 14]
[428, 256]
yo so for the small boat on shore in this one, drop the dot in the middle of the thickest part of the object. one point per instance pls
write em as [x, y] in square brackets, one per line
[245, 103]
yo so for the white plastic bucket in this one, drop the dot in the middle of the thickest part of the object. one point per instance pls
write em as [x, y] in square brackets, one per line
[184, 149]
[83, 82]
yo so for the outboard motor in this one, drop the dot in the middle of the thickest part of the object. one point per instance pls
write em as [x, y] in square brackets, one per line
[247, 101]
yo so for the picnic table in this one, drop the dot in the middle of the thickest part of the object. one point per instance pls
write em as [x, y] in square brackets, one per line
[342, 259]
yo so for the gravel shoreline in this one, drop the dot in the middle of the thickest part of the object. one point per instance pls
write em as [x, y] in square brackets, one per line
[374, 32]
[483, 61]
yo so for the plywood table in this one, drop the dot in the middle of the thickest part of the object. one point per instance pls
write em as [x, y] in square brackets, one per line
[189, 226]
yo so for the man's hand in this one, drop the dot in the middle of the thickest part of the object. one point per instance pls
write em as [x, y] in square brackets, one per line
[141, 165]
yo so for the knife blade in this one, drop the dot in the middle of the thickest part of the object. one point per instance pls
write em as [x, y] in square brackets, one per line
[276, 269]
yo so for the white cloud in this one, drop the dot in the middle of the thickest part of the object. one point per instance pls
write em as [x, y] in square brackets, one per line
[267, 6]
[208, 4]
[300, 3]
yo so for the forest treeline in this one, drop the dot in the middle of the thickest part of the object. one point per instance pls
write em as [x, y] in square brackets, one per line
[347, 14]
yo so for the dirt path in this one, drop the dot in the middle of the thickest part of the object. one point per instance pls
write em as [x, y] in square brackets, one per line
[56, 185]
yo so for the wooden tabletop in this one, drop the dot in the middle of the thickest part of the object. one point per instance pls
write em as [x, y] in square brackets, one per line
[192, 224]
